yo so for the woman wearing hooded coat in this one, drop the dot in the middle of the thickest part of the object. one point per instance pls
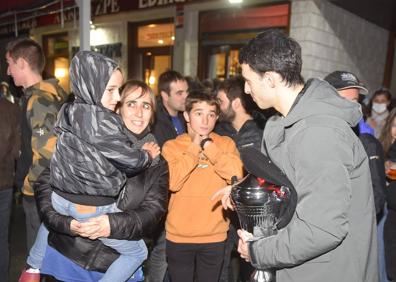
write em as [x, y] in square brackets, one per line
[120, 225]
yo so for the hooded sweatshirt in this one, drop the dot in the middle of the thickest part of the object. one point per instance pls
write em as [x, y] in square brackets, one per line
[94, 152]
[332, 235]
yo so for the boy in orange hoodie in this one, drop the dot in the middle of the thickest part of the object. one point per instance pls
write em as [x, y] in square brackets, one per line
[200, 162]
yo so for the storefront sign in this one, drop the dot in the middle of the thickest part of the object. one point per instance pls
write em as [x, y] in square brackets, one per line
[158, 3]
[99, 8]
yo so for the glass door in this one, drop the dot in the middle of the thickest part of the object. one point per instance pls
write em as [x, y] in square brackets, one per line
[150, 50]
[223, 62]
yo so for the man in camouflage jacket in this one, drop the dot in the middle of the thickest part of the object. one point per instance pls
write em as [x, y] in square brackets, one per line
[40, 105]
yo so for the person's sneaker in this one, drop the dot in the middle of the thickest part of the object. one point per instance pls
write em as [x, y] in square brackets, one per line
[30, 275]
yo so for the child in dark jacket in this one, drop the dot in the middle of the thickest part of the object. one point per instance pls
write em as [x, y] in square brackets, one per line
[94, 155]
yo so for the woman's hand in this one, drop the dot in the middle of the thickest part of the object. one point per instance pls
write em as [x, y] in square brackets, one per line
[95, 227]
[152, 148]
[75, 226]
[225, 197]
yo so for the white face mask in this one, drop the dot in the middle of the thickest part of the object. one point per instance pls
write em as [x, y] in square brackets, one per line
[379, 108]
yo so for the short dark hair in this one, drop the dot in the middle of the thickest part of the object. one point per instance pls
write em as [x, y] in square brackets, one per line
[234, 88]
[273, 50]
[166, 78]
[201, 96]
[29, 50]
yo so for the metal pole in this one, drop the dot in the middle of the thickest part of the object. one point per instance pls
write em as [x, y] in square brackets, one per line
[16, 24]
[84, 23]
[62, 16]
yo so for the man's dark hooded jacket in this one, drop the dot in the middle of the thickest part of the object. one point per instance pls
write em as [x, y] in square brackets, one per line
[163, 128]
[94, 152]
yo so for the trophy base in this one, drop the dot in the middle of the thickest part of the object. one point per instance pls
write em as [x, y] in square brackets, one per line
[263, 276]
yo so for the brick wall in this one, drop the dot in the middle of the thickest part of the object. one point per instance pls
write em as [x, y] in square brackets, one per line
[335, 39]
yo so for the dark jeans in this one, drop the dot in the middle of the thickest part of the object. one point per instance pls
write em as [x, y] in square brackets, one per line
[157, 259]
[32, 220]
[194, 262]
[5, 212]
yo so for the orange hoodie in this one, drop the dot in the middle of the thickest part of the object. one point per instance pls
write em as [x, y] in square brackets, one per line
[195, 175]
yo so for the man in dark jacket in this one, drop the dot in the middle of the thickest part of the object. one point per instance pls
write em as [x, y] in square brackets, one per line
[169, 123]
[236, 121]
[332, 235]
[349, 87]
[240, 117]
[169, 120]
[10, 140]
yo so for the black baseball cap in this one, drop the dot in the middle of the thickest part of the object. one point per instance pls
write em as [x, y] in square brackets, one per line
[341, 80]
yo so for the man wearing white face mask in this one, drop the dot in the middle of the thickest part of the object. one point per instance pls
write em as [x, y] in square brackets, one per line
[379, 105]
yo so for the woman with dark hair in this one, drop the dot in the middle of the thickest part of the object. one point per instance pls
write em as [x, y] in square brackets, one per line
[387, 139]
[379, 107]
[143, 203]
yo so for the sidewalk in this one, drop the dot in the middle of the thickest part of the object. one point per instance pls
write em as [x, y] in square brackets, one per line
[17, 241]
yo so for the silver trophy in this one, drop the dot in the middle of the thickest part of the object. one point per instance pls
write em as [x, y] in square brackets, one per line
[260, 205]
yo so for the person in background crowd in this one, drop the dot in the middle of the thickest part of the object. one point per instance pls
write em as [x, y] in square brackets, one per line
[349, 87]
[200, 162]
[5, 92]
[387, 138]
[388, 134]
[379, 105]
[194, 84]
[237, 111]
[143, 204]
[89, 132]
[41, 102]
[331, 236]
[236, 121]
[169, 120]
[169, 123]
[10, 140]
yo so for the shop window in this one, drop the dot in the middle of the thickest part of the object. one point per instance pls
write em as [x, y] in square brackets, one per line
[158, 65]
[150, 48]
[223, 32]
[56, 51]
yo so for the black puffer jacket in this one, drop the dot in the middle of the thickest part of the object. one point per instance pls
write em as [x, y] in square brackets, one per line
[144, 204]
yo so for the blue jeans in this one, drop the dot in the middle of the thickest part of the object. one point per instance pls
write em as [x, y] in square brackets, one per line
[5, 212]
[132, 253]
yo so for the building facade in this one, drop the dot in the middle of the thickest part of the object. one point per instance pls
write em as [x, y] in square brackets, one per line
[202, 38]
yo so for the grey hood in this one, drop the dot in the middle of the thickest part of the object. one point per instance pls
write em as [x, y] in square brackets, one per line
[319, 99]
[89, 74]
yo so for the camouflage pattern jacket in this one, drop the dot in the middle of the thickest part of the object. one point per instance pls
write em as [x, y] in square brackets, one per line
[40, 107]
